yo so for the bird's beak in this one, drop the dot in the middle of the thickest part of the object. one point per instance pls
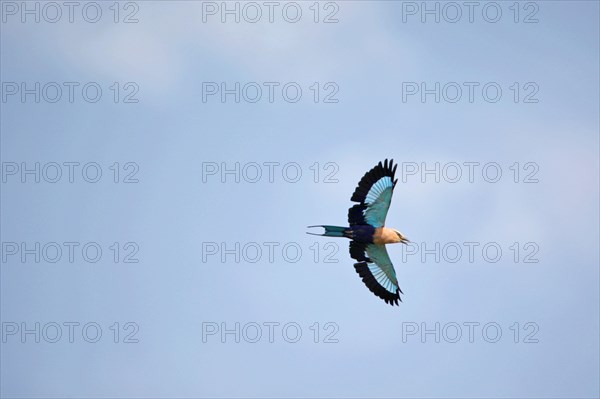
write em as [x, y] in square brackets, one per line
[405, 241]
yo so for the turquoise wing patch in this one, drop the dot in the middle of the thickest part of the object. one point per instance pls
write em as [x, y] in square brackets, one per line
[374, 195]
[378, 274]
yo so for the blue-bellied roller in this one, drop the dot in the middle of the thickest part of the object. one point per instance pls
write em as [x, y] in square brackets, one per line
[368, 234]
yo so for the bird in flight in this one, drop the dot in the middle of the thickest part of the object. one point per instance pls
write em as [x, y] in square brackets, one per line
[368, 234]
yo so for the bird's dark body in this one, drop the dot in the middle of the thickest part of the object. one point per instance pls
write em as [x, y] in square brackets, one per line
[362, 233]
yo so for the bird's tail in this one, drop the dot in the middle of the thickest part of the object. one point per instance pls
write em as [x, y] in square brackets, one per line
[332, 231]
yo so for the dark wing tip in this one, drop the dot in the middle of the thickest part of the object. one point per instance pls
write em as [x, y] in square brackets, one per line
[387, 168]
[367, 277]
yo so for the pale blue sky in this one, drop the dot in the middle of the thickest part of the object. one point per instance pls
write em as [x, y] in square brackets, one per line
[170, 212]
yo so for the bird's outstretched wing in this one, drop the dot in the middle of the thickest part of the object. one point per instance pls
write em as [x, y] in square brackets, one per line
[374, 195]
[376, 270]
